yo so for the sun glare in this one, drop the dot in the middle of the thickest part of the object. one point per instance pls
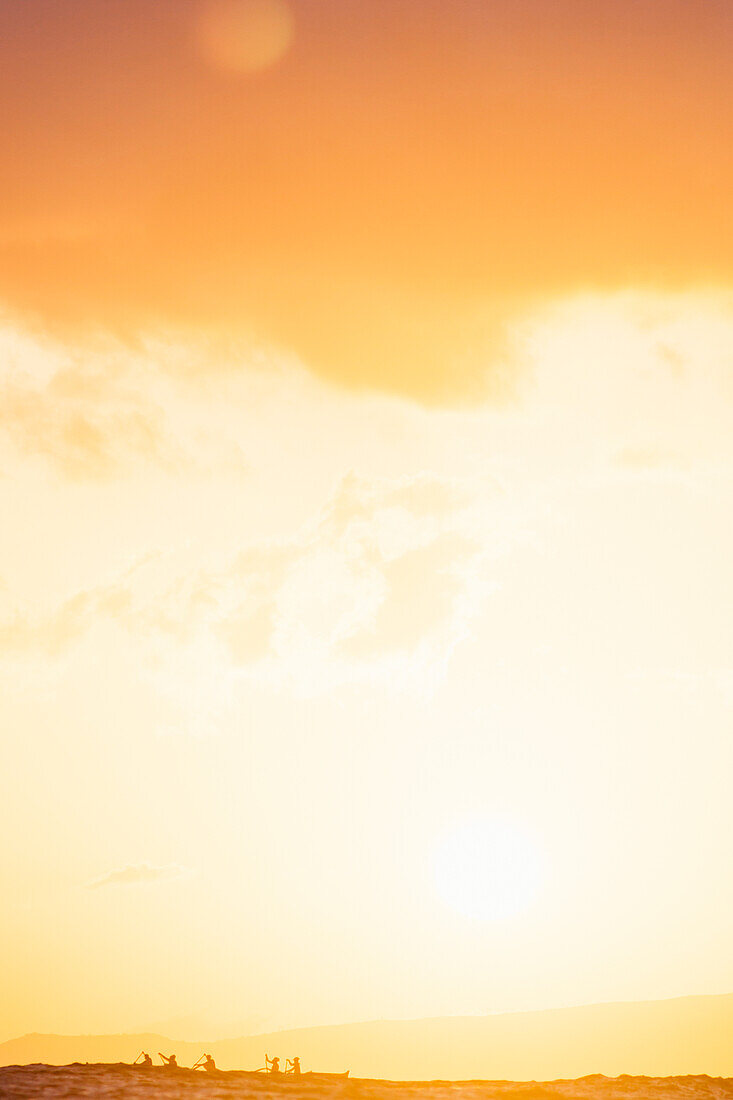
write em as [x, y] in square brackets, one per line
[488, 869]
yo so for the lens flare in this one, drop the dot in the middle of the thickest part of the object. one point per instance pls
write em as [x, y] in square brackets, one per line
[245, 36]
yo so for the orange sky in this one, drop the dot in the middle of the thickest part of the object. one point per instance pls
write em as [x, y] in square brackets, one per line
[366, 458]
[386, 191]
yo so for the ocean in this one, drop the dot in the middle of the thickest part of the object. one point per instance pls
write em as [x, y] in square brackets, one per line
[112, 1081]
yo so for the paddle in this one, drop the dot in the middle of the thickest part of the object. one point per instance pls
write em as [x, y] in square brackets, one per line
[138, 1057]
[200, 1062]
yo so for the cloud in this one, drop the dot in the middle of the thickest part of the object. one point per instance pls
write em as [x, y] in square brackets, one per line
[55, 632]
[594, 376]
[138, 874]
[102, 409]
[633, 379]
[383, 581]
[80, 415]
[379, 585]
[360, 548]
[420, 589]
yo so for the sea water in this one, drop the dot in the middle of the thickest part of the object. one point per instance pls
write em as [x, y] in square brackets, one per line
[105, 1081]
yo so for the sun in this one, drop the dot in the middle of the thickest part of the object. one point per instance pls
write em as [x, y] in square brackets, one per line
[488, 869]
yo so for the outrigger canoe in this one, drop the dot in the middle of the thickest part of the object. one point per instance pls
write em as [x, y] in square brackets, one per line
[309, 1076]
[292, 1078]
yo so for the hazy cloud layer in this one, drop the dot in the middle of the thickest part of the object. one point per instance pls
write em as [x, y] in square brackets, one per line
[105, 409]
[644, 377]
[387, 576]
[137, 874]
[361, 544]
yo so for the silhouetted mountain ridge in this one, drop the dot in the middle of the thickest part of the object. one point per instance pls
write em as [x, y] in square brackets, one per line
[677, 1037]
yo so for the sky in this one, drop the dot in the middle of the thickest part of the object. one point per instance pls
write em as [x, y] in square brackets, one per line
[366, 398]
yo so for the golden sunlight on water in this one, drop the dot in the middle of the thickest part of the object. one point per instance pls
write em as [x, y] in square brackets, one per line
[112, 1081]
